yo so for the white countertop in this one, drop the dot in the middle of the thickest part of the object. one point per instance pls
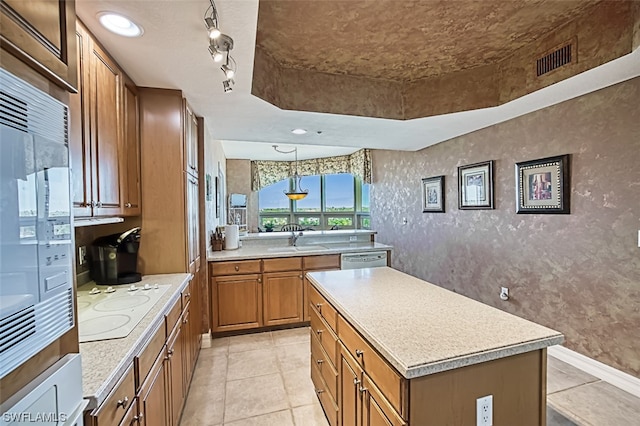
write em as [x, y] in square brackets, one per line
[262, 252]
[423, 329]
[105, 361]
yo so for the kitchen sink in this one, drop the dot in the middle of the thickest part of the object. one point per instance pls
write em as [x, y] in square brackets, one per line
[287, 249]
[310, 248]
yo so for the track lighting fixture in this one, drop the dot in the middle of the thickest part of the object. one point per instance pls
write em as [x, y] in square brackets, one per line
[220, 45]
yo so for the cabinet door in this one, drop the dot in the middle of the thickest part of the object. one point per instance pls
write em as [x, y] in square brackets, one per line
[187, 339]
[131, 151]
[350, 394]
[236, 302]
[175, 353]
[282, 297]
[193, 225]
[79, 137]
[106, 88]
[191, 141]
[376, 410]
[41, 33]
[153, 396]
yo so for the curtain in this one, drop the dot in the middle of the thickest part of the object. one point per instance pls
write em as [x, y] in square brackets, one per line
[265, 173]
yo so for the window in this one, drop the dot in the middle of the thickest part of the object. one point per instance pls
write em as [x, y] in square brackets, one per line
[335, 201]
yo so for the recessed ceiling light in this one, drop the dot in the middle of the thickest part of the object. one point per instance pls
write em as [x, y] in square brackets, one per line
[119, 24]
[298, 131]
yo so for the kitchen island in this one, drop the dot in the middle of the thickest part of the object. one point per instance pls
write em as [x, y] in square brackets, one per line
[388, 347]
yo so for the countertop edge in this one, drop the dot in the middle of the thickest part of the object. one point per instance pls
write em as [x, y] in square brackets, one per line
[232, 254]
[103, 391]
[411, 372]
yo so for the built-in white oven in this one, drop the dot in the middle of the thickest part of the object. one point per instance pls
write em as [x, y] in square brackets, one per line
[36, 240]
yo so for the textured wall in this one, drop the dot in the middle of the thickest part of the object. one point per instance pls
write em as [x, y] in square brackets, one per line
[577, 273]
[239, 182]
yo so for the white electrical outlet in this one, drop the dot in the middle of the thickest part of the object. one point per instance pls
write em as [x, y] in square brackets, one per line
[484, 411]
[82, 255]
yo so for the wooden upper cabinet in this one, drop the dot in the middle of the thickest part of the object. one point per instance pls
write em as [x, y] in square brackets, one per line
[104, 135]
[190, 140]
[41, 33]
[131, 150]
[106, 87]
[79, 137]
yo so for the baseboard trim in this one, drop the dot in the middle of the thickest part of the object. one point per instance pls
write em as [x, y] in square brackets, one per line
[206, 340]
[617, 378]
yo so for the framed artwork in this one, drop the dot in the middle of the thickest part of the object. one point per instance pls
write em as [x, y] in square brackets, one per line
[218, 197]
[542, 186]
[208, 192]
[475, 186]
[433, 194]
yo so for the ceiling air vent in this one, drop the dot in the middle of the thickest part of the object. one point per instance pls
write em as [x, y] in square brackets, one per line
[555, 59]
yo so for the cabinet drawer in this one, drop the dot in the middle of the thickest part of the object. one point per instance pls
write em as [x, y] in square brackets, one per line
[328, 404]
[329, 261]
[328, 340]
[326, 368]
[113, 409]
[390, 383]
[282, 264]
[236, 267]
[172, 317]
[144, 361]
[323, 308]
[186, 295]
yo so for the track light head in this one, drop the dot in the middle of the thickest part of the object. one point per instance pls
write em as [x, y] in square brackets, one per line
[212, 27]
[228, 71]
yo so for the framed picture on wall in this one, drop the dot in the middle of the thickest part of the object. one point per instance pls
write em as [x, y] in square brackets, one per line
[433, 194]
[218, 197]
[475, 186]
[542, 186]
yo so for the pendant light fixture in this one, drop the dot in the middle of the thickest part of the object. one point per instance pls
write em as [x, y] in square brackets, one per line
[297, 193]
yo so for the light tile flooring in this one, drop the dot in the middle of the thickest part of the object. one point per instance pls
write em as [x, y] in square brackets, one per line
[263, 380]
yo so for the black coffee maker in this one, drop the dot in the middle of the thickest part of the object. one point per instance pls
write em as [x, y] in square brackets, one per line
[114, 258]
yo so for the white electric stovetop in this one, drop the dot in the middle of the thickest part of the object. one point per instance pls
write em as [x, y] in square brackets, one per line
[112, 312]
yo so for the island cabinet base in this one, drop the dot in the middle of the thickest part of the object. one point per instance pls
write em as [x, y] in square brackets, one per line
[517, 383]
[357, 386]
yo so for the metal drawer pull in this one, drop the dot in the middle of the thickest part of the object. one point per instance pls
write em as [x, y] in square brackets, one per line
[359, 352]
[138, 417]
[318, 305]
[122, 402]
[184, 321]
[127, 205]
[170, 353]
[319, 391]
[187, 295]
[362, 390]
[319, 361]
[237, 268]
[319, 332]
[356, 381]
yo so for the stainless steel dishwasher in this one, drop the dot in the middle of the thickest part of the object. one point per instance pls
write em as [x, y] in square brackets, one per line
[370, 259]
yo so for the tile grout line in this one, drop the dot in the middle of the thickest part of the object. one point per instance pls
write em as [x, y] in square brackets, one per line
[574, 387]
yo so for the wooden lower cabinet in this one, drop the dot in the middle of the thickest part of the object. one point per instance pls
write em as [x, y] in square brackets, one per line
[160, 375]
[376, 411]
[152, 399]
[175, 371]
[350, 382]
[282, 297]
[236, 302]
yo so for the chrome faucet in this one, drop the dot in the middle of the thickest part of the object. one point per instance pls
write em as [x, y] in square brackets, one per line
[294, 237]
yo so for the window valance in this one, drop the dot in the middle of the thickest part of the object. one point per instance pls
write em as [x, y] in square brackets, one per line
[265, 173]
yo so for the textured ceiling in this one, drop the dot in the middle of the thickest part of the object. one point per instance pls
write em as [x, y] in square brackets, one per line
[404, 40]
